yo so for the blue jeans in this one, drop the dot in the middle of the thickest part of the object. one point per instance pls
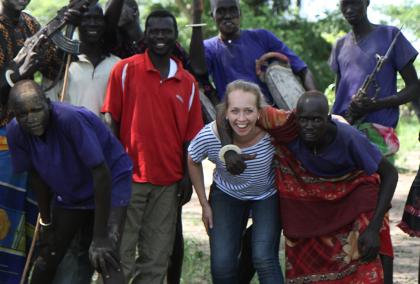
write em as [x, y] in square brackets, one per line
[229, 221]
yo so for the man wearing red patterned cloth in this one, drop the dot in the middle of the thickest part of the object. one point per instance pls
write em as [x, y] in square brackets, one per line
[335, 188]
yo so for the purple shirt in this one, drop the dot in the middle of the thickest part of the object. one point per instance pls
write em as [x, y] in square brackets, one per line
[76, 141]
[350, 151]
[354, 61]
[230, 61]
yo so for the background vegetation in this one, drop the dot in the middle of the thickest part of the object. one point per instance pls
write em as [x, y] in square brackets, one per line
[310, 39]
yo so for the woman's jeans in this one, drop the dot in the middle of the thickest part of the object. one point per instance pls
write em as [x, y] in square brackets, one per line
[230, 216]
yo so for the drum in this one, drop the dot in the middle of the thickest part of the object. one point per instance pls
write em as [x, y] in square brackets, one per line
[284, 86]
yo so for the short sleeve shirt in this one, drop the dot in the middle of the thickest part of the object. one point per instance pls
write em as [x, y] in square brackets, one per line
[354, 61]
[255, 183]
[76, 141]
[232, 60]
[156, 117]
[87, 83]
[350, 151]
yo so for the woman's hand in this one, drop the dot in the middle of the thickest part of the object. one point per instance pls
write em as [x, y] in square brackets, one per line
[207, 217]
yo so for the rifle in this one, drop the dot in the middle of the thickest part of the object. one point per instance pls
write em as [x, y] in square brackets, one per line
[363, 90]
[52, 30]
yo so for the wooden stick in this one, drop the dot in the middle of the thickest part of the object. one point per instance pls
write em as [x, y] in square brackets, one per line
[31, 250]
[66, 78]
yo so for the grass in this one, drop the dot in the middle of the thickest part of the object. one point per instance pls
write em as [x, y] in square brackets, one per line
[196, 265]
[408, 157]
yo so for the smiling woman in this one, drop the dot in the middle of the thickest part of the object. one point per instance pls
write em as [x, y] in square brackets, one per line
[232, 198]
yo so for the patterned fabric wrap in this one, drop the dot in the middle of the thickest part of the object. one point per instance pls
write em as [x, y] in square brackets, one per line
[332, 256]
[384, 137]
[18, 213]
[323, 252]
[410, 222]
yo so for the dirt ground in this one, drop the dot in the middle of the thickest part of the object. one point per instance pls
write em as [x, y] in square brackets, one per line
[406, 249]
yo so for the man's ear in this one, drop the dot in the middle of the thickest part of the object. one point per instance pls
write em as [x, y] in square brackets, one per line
[329, 117]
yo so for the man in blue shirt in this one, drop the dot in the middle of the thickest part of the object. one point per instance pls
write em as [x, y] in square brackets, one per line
[74, 161]
[231, 55]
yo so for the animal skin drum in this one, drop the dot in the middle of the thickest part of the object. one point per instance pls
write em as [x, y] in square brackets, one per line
[284, 86]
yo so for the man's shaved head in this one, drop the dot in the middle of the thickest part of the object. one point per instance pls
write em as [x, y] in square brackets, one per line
[313, 98]
[30, 106]
[214, 4]
[312, 117]
[24, 89]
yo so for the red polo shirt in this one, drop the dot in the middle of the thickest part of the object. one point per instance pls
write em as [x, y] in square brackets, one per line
[156, 117]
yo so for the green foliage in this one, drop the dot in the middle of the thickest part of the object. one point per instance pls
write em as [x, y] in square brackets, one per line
[407, 14]
[45, 10]
[196, 265]
[408, 132]
[312, 41]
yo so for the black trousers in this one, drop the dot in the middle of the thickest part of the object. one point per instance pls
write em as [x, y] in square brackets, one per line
[177, 257]
[67, 222]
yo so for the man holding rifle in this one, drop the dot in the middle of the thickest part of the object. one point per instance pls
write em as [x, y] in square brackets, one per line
[353, 59]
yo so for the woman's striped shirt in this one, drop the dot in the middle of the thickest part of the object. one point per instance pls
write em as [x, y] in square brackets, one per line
[255, 183]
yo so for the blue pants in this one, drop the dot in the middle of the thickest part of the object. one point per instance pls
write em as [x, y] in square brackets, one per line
[229, 221]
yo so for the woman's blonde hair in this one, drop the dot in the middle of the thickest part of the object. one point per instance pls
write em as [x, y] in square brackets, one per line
[244, 86]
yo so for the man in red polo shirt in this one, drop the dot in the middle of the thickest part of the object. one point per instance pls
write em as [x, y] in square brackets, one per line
[152, 103]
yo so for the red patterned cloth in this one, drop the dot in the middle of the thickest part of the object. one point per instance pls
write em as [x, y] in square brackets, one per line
[323, 218]
[410, 222]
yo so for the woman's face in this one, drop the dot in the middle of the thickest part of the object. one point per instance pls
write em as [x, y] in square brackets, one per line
[242, 112]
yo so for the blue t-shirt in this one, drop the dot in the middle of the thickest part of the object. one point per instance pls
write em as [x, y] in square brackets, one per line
[233, 60]
[351, 150]
[76, 140]
[257, 182]
[353, 61]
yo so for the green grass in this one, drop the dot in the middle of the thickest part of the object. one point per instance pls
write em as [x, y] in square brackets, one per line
[196, 265]
[408, 133]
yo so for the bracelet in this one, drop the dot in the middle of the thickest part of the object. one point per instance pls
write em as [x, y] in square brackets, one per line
[44, 224]
[196, 25]
[229, 147]
[9, 81]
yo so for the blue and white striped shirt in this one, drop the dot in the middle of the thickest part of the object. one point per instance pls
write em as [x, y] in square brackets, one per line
[257, 182]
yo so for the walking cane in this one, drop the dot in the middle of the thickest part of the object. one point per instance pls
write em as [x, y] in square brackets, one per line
[36, 232]
[31, 251]
[66, 78]
[69, 33]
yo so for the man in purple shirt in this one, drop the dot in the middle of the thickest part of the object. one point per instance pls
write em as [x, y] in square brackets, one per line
[354, 58]
[78, 166]
[231, 55]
